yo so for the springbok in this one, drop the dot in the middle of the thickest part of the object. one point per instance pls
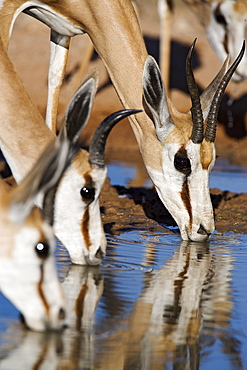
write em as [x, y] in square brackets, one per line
[114, 30]
[28, 275]
[77, 219]
[188, 153]
[225, 31]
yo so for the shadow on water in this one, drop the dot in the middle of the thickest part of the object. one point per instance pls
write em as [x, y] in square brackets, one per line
[154, 303]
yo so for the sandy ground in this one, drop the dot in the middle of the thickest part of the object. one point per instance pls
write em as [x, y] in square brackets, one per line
[29, 50]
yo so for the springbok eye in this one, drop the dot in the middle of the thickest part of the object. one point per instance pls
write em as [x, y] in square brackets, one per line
[182, 163]
[219, 17]
[42, 249]
[87, 194]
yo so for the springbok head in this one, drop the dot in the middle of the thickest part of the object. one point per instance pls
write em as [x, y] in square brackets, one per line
[28, 275]
[80, 226]
[188, 151]
[226, 30]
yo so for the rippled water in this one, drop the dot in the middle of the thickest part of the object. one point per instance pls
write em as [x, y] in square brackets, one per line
[155, 303]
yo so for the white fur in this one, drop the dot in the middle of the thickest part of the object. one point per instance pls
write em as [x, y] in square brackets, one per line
[169, 183]
[20, 274]
[52, 19]
[69, 212]
[235, 31]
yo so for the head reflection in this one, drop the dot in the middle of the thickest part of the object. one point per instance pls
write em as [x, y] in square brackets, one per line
[183, 309]
[73, 349]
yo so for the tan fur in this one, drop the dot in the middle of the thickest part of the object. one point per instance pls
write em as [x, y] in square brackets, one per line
[240, 7]
[81, 163]
[206, 154]
[183, 127]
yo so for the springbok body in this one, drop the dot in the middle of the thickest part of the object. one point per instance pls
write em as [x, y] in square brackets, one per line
[115, 33]
[225, 31]
[24, 134]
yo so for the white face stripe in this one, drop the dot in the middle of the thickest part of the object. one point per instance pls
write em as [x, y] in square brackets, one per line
[187, 198]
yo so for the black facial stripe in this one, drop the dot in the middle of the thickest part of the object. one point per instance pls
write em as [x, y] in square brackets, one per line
[40, 289]
[185, 195]
[85, 228]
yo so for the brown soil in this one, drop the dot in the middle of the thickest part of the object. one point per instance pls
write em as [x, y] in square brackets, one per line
[139, 206]
[126, 209]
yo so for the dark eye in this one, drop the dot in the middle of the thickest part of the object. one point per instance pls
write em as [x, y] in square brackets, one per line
[88, 194]
[220, 18]
[182, 163]
[42, 249]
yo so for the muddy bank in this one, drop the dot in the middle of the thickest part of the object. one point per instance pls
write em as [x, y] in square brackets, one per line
[125, 209]
[140, 208]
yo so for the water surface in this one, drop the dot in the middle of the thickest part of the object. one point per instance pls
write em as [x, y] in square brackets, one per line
[155, 302]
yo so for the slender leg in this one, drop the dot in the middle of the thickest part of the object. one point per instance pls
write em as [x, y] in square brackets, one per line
[165, 14]
[59, 47]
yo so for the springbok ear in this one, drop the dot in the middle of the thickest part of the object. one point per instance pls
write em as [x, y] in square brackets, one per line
[154, 98]
[79, 108]
[45, 175]
[77, 115]
[208, 94]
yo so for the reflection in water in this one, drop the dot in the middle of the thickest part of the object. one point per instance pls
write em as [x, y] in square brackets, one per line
[175, 318]
[83, 288]
[179, 315]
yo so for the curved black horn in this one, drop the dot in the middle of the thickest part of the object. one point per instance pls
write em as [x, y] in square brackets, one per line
[97, 146]
[196, 110]
[210, 131]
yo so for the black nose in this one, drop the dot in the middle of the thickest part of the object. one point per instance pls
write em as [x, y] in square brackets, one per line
[99, 254]
[203, 231]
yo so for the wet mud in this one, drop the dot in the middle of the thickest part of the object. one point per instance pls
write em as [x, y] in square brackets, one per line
[131, 208]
